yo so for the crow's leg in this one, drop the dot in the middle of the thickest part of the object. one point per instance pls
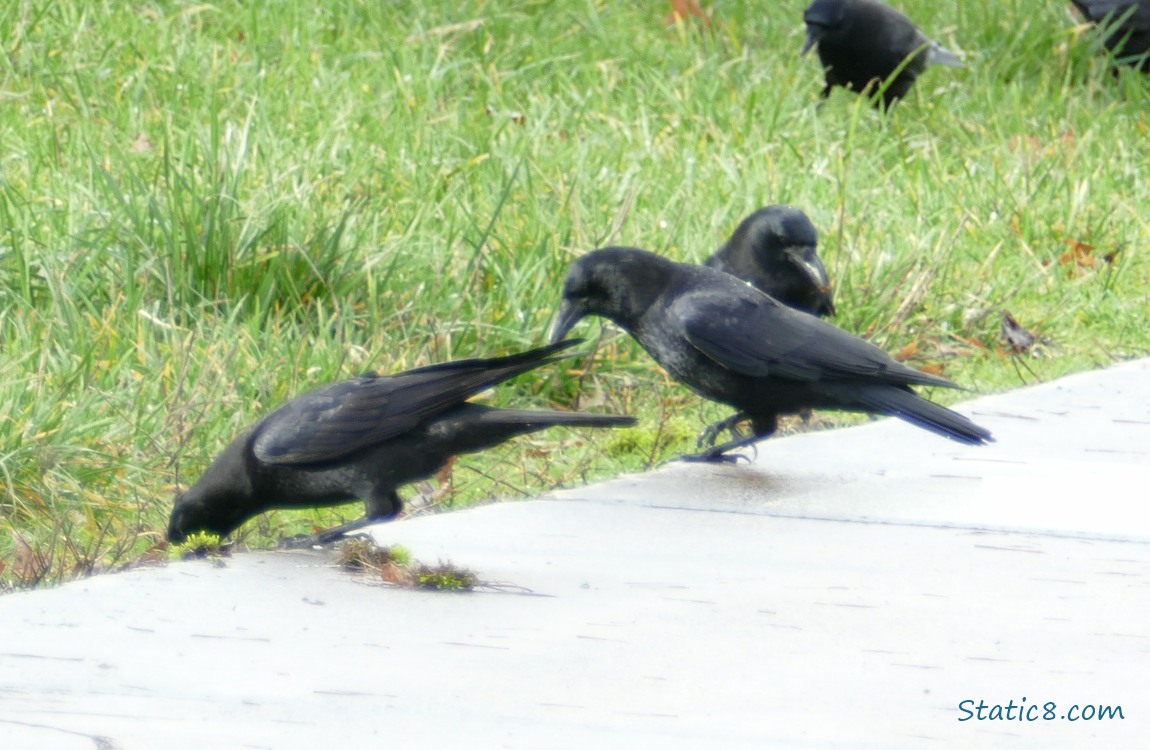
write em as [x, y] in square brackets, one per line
[710, 434]
[344, 529]
[328, 536]
[380, 508]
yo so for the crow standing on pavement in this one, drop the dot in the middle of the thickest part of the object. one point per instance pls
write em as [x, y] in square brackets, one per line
[731, 343]
[774, 250]
[361, 439]
[861, 43]
[1126, 24]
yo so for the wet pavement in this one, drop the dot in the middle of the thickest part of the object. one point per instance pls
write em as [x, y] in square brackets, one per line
[855, 588]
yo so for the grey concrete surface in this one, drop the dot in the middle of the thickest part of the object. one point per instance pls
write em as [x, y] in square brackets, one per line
[850, 589]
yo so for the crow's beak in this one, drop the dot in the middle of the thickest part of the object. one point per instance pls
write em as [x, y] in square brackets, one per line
[809, 263]
[813, 34]
[569, 315]
[176, 533]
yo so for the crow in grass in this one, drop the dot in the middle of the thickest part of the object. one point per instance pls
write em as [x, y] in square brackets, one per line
[731, 343]
[861, 43]
[361, 439]
[774, 250]
[1126, 25]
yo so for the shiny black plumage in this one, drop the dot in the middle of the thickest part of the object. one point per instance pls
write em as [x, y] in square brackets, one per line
[775, 250]
[862, 43]
[361, 439]
[731, 343]
[1126, 25]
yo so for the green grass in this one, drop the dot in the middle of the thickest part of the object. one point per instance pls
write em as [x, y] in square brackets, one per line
[206, 208]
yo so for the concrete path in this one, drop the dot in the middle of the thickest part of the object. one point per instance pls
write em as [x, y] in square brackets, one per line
[861, 588]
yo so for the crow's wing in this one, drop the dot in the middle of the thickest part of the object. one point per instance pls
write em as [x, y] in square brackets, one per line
[753, 334]
[336, 420]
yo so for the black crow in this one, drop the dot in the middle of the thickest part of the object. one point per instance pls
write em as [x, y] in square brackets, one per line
[731, 343]
[774, 250]
[361, 439]
[1126, 25]
[862, 43]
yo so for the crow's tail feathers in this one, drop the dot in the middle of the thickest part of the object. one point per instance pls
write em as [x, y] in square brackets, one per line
[472, 427]
[434, 388]
[498, 369]
[530, 420]
[908, 406]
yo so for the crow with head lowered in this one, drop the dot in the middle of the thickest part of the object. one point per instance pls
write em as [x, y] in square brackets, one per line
[868, 47]
[775, 250]
[363, 438]
[733, 344]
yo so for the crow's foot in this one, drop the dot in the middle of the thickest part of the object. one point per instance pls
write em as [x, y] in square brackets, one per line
[710, 434]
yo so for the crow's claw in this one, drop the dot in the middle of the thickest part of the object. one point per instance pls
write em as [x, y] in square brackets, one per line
[713, 457]
[710, 434]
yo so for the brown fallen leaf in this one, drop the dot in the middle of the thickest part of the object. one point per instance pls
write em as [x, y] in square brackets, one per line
[1080, 255]
[907, 352]
[976, 343]
[681, 10]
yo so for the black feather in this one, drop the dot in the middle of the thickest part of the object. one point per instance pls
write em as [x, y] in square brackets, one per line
[733, 344]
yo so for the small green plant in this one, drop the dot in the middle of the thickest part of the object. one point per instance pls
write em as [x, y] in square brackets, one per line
[198, 544]
[400, 555]
[360, 553]
[446, 577]
[395, 565]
